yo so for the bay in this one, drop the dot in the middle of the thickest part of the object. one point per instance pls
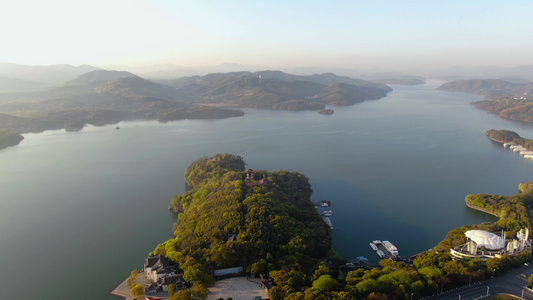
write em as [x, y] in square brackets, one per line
[80, 210]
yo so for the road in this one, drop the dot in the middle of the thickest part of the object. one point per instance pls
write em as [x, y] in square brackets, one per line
[514, 283]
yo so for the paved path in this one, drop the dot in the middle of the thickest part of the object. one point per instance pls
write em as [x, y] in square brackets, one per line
[123, 290]
[513, 283]
[238, 288]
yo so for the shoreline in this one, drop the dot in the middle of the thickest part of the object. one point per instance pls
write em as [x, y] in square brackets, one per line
[481, 209]
[123, 290]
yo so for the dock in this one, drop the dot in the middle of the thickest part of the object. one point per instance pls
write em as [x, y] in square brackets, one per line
[327, 220]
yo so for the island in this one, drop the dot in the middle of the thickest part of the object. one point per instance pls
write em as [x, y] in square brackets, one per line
[235, 221]
[327, 111]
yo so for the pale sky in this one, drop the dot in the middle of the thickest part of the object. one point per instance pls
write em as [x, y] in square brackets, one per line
[372, 34]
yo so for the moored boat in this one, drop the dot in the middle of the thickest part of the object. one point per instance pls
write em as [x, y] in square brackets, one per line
[328, 213]
[390, 248]
[373, 246]
[380, 253]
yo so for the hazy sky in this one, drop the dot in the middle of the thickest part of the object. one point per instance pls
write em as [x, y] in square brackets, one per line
[272, 34]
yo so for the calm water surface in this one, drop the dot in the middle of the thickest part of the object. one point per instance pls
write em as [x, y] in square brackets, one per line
[79, 211]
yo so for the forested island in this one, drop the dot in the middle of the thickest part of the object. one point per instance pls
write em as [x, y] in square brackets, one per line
[510, 100]
[265, 223]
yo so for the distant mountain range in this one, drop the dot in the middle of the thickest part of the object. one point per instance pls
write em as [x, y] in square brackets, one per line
[513, 74]
[100, 96]
[50, 75]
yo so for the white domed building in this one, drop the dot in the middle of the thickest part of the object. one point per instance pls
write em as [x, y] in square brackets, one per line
[484, 245]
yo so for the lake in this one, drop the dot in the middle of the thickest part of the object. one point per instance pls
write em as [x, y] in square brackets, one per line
[80, 210]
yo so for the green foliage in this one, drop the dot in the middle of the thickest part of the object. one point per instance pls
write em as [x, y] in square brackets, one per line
[137, 290]
[210, 168]
[272, 227]
[266, 225]
[530, 281]
[504, 136]
[512, 211]
[130, 279]
[325, 283]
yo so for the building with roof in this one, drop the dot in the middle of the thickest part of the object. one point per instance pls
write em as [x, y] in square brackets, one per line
[484, 245]
[161, 274]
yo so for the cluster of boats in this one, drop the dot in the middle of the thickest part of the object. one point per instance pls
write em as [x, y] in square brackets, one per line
[526, 153]
[327, 213]
[388, 246]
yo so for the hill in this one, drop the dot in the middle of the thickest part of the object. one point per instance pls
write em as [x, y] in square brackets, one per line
[99, 97]
[116, 95]
[260, 221]
[510, 100]
[50, 75]
[99, 75]
[10, 85]
[9, 138]
[277, 90]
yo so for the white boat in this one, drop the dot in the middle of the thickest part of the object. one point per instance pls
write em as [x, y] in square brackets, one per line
[328, 213]
[328, 221]
[390, 248]
[374, 247]
[380, 253]
[377, 242]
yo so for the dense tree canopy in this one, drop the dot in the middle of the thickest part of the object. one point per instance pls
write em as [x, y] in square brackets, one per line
[264, 224]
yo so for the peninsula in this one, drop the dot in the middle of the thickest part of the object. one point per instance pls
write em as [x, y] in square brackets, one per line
[510, 100]
[507, 136]
[235, 221]
[9, 138]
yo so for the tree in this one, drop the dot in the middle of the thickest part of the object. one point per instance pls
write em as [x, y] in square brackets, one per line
[171, 288]
[530, 282]
[325, 283]
[137, 290]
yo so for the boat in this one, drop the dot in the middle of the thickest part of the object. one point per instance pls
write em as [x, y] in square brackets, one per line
[377, 242]
[328, 221]
[380, 253]
[390, 248]
[374, 247]
[325, 203]
[328, 213]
